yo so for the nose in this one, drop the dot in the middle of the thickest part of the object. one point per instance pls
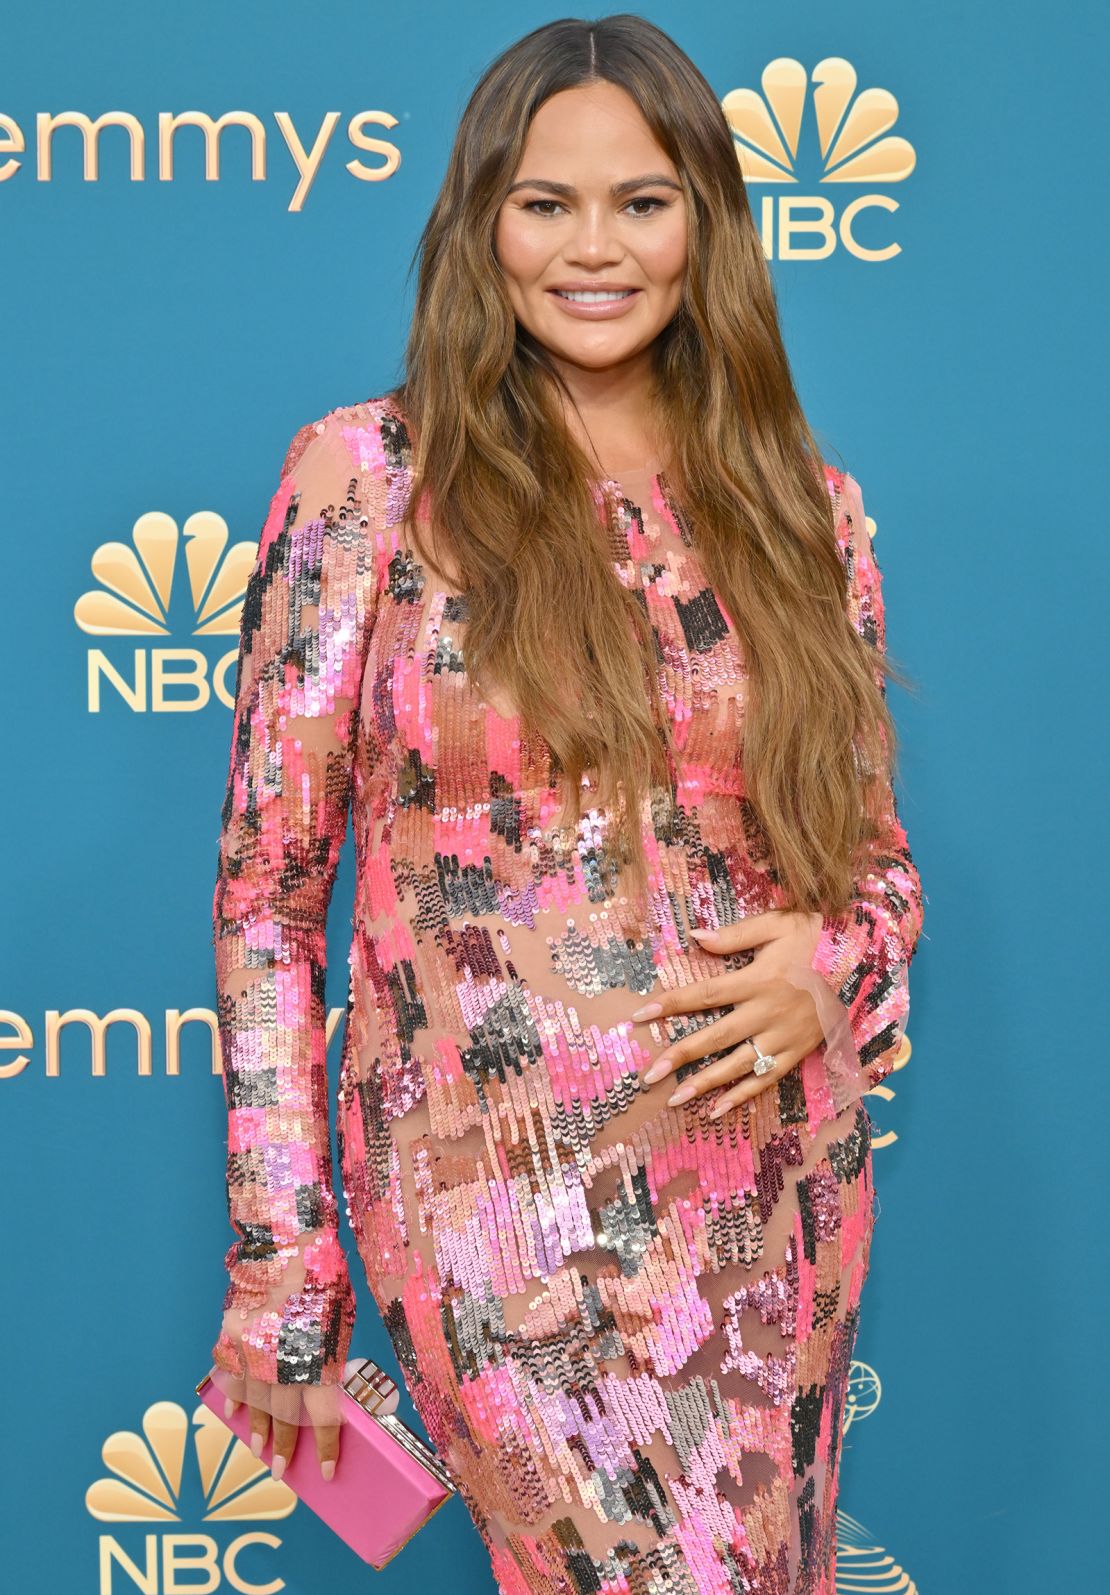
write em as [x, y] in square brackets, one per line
[594, 242]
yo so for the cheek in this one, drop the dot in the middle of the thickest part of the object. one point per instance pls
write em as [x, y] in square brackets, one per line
[666, 259]
[517, 253]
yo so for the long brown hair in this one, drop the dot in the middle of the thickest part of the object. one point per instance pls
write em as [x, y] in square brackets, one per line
[509, 491]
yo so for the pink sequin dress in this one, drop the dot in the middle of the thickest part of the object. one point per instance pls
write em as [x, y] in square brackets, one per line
[626, 1327]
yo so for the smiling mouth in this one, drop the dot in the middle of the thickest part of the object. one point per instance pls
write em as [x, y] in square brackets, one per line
[591, 297]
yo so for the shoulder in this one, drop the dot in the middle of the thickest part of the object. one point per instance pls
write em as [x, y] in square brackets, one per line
[371, 435]
[853, 531]
[846, 494]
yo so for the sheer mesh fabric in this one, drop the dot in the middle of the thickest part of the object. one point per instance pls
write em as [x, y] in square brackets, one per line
[626, 1328]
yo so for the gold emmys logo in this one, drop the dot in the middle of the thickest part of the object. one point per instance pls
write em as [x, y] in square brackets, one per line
[865, 1391]
[862, 1565]
[145, 1487]
[133, 600]
[856, 146]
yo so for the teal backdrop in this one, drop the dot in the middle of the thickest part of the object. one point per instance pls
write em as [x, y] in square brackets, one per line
[163, 338]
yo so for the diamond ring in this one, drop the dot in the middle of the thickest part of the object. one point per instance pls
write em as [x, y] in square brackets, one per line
[764, 1061]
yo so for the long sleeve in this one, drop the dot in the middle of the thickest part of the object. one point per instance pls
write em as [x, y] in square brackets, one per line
[864, 954]
[289, 1308]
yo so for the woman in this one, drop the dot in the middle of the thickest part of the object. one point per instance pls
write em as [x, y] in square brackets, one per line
[616, 992]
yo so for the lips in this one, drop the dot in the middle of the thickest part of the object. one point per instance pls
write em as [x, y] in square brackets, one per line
[614, 302]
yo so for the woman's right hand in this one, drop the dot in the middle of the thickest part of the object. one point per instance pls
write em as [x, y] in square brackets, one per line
[289, 1408]
[273, 1312]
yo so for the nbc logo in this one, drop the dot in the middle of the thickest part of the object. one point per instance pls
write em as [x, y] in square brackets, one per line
[855, 145]
[147, 1474]
[133, 600]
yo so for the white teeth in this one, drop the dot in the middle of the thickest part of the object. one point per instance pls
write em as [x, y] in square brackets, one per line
[581, 297]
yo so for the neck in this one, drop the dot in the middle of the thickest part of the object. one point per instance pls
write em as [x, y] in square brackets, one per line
[609, 413]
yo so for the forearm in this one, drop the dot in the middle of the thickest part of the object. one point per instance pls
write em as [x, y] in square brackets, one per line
[864, 954]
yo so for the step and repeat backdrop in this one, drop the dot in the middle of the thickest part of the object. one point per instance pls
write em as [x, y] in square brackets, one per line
[209, 212]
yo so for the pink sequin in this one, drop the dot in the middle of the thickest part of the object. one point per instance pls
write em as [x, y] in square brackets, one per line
[627, 1327]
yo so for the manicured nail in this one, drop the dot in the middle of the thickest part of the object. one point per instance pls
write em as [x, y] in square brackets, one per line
[718, 1108]
[256, 1443]
[683, 1094]
[229, 1407]
[327, 1467]
[277, 1467]
[661, 1067]
[699, 935]
[650, 1010]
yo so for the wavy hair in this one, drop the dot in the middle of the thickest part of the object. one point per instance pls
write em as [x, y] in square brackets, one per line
[509, 491]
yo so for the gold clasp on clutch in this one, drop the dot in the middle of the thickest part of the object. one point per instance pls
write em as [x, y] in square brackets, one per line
[371, 1386]
[378, 1394]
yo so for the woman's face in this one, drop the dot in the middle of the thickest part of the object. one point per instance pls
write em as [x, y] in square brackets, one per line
[562, 228]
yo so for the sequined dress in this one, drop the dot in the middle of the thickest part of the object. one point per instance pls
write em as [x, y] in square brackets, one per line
[627, 1328]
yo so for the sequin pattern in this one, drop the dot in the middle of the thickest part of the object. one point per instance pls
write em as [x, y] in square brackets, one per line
[626, 1327]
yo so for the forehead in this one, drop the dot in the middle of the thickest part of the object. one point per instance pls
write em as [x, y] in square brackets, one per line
[594, 132]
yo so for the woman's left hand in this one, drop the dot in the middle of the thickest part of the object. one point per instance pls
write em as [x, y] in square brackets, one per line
[779, 1015]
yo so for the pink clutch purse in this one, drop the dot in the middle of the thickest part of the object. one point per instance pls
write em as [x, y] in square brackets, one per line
[387, 1483]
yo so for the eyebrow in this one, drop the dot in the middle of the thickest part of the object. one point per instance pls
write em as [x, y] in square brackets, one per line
[567, 190]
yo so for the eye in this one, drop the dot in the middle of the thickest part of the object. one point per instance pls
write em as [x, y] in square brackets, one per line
[644, 199]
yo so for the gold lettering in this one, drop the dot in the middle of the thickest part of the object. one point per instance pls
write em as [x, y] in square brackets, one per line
[162, 677]
[23, 1037]
[867, 202]
[793, 224]
[101, 665]
[175, 1023]
[10, 143]
[307, 165]
[236, 1579]
[90, 133]
[56, 1023]
[373, 146]
[190, 1554]
[168, 125]
[112, 1551]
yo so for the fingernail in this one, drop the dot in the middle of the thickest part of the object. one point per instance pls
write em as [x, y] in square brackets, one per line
[699, 934]
[661, 1067]
[650, 1010]
[683, 1094]
[256, 1443]
[327, 1468]
[229, 1407]
[718, 1108]
[277, 1467]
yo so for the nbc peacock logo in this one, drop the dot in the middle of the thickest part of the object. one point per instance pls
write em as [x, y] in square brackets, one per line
[147, 1485]
[854, 145]
[134, 599]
